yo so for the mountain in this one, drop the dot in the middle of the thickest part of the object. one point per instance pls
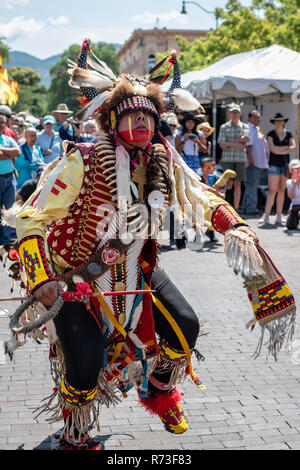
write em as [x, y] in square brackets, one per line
[41, 66]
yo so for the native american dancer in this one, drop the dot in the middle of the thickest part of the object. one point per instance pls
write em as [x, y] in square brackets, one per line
[87, 243]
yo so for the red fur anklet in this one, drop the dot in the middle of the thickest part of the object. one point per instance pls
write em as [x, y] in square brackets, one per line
[161, 402]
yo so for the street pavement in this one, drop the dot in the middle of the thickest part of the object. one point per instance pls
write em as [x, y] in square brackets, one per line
[248, 404]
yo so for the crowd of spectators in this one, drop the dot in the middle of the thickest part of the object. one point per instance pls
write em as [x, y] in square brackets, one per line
[28, 144]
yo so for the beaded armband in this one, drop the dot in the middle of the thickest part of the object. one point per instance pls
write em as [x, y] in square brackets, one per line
[225, 217]
[33, 257]
[171, 354]
[76, 396]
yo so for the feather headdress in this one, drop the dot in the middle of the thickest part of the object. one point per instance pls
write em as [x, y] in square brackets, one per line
[95, 82]
[177, 96]
[104, 91]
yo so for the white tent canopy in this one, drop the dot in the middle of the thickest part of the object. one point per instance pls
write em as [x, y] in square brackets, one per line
[271, 71]
[260, 72]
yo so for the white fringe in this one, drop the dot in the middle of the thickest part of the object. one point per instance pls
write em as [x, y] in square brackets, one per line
[242, 254]
[123, 176]
[281, 331]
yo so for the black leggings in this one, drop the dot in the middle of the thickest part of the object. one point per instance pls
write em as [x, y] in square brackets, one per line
[82, 341]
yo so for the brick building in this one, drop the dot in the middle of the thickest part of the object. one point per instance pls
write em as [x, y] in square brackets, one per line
[138, 54]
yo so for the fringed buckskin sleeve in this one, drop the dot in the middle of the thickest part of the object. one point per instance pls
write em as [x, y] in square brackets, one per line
[32, 222]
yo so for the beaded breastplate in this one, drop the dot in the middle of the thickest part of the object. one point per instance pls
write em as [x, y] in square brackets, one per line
[76, 237]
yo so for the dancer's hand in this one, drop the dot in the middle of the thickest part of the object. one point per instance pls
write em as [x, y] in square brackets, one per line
[249, 231]
[47, 294]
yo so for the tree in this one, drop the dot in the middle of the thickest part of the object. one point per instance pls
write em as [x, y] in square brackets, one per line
[4, 51]
[242, 29]
[32, 94]
[60, 90]
[285, 18]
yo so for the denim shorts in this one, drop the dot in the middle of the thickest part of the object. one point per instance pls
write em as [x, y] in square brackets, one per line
[277, 170]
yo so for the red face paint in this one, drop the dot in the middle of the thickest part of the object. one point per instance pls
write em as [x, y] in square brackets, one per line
[136, 135]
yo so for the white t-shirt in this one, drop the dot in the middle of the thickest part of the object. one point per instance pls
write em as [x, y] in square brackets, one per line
[190, 147]
[296, 199]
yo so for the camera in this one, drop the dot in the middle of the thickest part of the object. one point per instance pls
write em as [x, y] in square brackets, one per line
[192, 136]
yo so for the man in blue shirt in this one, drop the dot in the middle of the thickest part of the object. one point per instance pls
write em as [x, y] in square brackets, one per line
[49, 140]
[9, 150]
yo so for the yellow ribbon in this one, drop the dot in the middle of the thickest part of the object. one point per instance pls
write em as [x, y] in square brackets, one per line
[175, 327]
[115, 322]
[180, 336]
[108, 312]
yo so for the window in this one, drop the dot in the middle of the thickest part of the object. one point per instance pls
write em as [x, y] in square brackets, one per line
[151, 61]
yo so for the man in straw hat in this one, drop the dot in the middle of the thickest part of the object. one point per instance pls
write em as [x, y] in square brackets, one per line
[104, 205]
[61, 114]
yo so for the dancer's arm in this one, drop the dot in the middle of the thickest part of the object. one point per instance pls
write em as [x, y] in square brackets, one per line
[32, 222]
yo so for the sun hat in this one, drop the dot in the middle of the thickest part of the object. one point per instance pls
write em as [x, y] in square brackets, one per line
[63, 109]
[172, 120]
[205, 125]
[189, 117]
[279, 117]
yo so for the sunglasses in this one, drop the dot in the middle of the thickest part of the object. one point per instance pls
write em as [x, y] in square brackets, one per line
[208, 167]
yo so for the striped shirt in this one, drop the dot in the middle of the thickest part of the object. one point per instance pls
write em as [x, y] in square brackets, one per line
[229, 133]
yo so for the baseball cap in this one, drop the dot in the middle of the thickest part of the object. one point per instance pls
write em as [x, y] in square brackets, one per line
[234, 107]
[49, 119]
[5, 110]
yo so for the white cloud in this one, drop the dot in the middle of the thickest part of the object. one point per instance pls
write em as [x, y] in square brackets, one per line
[9, 4]
[59, 21]
[19, 26]
[160, 19]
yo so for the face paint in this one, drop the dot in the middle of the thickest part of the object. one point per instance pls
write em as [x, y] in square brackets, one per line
[129, 127]
[137, 135]
[149, 128]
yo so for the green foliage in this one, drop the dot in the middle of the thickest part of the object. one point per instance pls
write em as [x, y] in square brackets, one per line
[60, 90]
[32, 94]
[242, 29]
[4, 50]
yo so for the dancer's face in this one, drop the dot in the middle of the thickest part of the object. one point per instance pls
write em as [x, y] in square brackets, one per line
[137, 128]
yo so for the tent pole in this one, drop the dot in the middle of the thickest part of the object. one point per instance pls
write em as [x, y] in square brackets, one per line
[297, 128]
[214, 136]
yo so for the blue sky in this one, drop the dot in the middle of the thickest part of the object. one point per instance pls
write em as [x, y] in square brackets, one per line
[44, 28]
